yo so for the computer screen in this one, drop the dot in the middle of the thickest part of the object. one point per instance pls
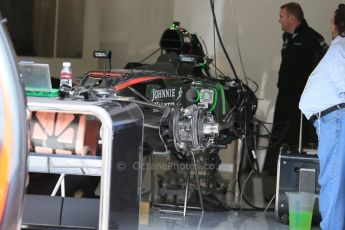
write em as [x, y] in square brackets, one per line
[36, 76]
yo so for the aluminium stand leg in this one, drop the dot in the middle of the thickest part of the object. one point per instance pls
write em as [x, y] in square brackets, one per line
[300, 134]
[60, 182]
[198, 182]
[152, 179]
[186, 195]
[185, 205]
[237, 160]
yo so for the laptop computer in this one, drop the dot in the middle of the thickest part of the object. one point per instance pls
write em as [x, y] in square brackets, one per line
[37, 80]
[36, 76]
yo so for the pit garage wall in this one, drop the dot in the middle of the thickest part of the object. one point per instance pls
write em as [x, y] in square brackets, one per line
[132, 28]
[91, 40]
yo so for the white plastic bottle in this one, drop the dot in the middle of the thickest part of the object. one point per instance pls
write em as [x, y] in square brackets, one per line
[66, 74]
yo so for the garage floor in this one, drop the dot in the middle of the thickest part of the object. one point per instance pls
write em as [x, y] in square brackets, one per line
[257, 186]
[237, 220]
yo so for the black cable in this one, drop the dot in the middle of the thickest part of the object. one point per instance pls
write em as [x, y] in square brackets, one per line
[215, 51]
[220, 39]
[244, 102]
[282, 133]
[269, 134]
[278, 123]
[247, 153]
[241, 107]
[263, 122]
[277, 142]
[149, 55]
[109, 64]
[263, 125]
[256, 85]
[223, 75]
[203, 42]
[248, 145]
[240, 187]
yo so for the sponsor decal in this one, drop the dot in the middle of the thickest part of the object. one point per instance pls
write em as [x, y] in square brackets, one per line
[163, 93]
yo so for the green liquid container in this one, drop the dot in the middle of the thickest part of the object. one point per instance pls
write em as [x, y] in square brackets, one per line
[300, 220]
[301, 206]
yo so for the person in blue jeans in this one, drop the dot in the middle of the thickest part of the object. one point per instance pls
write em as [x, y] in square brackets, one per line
[323, 102]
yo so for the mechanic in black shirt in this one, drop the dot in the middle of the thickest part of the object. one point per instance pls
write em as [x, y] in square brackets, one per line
[302, 49]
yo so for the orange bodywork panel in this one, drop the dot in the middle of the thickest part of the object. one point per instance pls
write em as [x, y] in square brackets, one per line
[5, 158]
[63, 133]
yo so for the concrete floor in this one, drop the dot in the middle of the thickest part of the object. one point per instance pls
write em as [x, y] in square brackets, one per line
[256, 187]
[237, 220]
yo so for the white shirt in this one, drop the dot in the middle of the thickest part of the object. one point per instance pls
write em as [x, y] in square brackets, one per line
[326, 84]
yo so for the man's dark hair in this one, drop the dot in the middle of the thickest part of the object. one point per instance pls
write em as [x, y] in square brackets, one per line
[339, 18]
[294, 9]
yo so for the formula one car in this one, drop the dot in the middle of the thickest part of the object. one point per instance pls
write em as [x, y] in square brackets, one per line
[185, 108]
